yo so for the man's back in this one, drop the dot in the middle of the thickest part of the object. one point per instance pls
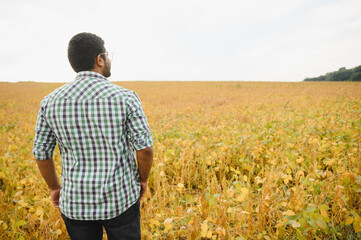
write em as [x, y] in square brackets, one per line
[97, 125]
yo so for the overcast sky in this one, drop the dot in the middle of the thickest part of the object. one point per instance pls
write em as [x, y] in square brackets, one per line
[258, 40]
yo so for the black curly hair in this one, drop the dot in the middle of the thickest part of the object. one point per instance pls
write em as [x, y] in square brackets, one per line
[83, 48]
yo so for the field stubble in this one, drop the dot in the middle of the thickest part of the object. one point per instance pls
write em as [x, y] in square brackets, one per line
[233, 160]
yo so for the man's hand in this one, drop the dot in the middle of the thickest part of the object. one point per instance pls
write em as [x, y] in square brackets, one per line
[145, 160]
[47, 170]
[55, 194]
[143, 189]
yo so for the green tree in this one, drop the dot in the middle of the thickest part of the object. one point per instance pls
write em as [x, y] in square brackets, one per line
[342, 74]
[356, 77]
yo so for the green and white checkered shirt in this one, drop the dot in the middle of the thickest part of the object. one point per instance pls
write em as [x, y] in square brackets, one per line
[98, 126]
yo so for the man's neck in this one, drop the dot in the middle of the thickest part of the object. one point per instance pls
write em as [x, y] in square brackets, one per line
[97, 70]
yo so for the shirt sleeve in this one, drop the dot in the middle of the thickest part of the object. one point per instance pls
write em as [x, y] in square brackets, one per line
[44, 140]
[137, 126]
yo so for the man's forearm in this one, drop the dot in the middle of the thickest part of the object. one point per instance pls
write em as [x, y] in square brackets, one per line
[145, 160]
[47, 170]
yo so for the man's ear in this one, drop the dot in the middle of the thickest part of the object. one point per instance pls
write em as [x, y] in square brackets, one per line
[99, 61]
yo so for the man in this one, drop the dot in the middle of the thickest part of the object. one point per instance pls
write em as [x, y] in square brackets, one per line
[99, 127]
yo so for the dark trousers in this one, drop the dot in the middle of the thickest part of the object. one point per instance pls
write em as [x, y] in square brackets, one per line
[124, 226]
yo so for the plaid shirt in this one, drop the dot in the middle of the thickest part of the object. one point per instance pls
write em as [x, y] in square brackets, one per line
[98, 126]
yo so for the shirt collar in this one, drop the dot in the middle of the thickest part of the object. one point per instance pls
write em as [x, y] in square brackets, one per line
[89, 74]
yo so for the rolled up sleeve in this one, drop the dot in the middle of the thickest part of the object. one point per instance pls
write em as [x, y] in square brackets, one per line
[137, 126]
[44, 140]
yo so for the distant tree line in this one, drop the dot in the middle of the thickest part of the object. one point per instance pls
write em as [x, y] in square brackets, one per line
[343, 74]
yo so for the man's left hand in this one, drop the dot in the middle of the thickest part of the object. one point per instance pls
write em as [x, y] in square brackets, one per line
[143, 189]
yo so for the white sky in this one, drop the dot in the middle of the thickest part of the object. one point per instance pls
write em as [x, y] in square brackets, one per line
[251, 40]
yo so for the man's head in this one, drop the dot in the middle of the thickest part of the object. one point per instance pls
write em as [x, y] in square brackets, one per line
[86, 52]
